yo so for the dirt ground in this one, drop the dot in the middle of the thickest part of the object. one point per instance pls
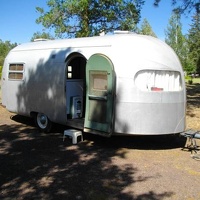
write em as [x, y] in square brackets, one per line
[41, 166]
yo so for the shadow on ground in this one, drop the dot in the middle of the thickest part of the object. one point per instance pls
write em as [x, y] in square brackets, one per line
[143, 142]
[41, 166]
[193, 95]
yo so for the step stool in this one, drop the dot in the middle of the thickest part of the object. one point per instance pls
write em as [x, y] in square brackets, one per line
[74, 134]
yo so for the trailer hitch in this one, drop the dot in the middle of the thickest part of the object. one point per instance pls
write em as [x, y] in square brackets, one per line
[192, 135]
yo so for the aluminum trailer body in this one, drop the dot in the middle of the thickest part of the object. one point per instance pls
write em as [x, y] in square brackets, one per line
[113, 84]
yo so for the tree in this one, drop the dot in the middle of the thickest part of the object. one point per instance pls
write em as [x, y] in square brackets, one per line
[185, 6]
[194, 42]
[42, 35]
[80, 18]
[5, 47]
[146, 28]
[177, 40]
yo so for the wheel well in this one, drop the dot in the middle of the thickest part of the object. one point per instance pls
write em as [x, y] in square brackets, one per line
[33, 114]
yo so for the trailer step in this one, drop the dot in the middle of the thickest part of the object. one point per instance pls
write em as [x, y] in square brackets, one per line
[74, 134]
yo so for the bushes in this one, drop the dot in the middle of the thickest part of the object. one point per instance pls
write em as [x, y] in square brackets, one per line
[189, 79]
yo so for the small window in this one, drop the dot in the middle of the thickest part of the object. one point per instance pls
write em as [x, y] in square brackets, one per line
[73, 72]
[17, 76]
[100, 81]
[16, 67]
[69, 72]
[158, 80]
[16, 71]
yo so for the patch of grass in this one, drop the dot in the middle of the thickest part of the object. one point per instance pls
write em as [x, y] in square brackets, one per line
[192, 80]
[196, 80]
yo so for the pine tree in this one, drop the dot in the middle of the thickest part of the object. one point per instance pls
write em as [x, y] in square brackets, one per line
[146, 28]
[194, 42]
[177, 40]
[82, 18]
[182, 6]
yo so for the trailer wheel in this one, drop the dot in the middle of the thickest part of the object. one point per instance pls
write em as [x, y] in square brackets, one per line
[43, 122]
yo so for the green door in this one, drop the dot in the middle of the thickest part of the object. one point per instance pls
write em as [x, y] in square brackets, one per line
[100, 83]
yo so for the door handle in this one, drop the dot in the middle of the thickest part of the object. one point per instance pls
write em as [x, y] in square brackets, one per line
[100, 98]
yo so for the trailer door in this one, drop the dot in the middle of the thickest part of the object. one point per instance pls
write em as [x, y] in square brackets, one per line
[100, 82]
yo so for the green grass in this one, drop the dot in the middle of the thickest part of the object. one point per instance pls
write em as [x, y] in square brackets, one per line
[194, 80]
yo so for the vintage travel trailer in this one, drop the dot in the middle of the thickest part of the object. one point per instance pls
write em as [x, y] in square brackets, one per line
[123, 83]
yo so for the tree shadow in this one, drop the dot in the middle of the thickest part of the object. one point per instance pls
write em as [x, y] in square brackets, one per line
[193, 98]
[42, 166]
[143, 142]
[193, 95]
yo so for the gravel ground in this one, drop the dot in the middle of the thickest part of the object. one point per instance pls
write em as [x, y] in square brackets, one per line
[41, 166]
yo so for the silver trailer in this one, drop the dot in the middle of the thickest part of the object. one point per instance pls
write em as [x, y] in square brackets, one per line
[113, 84]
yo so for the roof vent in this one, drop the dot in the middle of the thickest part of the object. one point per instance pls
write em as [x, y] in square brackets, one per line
[121, 32]
[40, 39]
[102, 33]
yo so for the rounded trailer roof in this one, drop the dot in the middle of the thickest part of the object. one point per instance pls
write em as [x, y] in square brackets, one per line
[125, 49]
[143, 52]
[106, 40]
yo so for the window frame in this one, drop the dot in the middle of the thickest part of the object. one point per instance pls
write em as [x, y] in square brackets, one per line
[158, 85]
[19, 70]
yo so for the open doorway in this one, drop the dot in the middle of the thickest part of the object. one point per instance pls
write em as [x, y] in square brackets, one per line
[75, 88]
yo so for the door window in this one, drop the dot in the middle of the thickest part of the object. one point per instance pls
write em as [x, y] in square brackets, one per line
[99, 83]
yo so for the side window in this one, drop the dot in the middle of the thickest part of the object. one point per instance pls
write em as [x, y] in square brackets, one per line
[16, 72]
[158, 80]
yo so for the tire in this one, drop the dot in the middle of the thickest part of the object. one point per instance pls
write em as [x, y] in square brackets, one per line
[43, 122]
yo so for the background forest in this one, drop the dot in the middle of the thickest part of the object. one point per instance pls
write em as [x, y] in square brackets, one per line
[86, 18]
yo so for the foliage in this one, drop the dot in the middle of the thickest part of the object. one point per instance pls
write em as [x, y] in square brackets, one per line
[146, 29]
[186, 47]
[82, 18]
[1, 67]
[184, 6]
[42, 35]
[177, 40]
[194, 42]
[5, 47]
